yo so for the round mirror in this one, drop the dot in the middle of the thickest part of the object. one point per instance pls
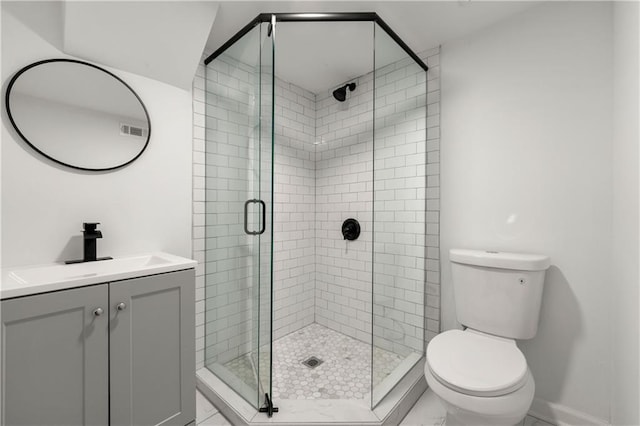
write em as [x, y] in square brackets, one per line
[77, 114]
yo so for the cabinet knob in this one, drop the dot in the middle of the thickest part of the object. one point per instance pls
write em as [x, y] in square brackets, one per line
[121, 306]
[97, 312]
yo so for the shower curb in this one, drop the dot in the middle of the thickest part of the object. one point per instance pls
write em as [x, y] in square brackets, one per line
[391, 410]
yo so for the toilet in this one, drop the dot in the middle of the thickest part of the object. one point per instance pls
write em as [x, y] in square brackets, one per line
[479, 374]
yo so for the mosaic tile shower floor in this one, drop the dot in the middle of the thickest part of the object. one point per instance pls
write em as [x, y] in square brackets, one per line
[344, 374]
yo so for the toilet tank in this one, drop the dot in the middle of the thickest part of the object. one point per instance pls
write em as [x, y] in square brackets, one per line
[498, 293]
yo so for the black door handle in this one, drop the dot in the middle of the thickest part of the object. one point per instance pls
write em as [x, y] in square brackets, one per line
[264, 216]
[246, 217]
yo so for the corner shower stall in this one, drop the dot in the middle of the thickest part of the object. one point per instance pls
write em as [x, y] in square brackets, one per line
[313, 120]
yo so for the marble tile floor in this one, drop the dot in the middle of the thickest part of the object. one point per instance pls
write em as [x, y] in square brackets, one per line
[345, 372]
[426, 412]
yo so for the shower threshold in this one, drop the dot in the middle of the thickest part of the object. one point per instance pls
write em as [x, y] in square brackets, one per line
[336, 412]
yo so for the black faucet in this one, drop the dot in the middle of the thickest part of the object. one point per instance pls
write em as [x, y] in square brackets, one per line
[91, 234]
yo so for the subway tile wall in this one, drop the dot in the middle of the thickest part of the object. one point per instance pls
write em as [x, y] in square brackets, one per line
[324, 174]
[231, 133]
[405, 189]
[432, 262]
[344, 184]
[198, 223]
[229, 119]
[294, 209]
[400, 208]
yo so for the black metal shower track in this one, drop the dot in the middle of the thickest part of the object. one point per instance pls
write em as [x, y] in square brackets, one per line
[319, 17]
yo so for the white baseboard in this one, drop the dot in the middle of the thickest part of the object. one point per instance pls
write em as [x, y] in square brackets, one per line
[562, 415]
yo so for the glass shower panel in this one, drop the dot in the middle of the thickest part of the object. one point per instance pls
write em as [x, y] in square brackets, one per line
[239, 146]
[265, 181]
[399, 206]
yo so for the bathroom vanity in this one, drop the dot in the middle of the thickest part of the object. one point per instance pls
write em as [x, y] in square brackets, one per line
[100, 343]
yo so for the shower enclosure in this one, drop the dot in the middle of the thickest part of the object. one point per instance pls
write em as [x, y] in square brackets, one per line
[313, 119]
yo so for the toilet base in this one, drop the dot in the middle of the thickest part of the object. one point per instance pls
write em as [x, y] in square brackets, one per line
[461, 418]
[467, 410]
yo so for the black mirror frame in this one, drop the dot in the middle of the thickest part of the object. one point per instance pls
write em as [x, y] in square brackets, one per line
[13, 123]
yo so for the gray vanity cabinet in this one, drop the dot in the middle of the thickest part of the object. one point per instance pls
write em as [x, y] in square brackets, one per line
[120, 353]
[152, 350]
[55, 353]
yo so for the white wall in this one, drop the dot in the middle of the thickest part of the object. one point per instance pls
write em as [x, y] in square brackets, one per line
[140, 41]
[142, 207]
[625, 400]
[527, 167]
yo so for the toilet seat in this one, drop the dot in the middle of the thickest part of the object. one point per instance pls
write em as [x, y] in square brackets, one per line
[477, 364]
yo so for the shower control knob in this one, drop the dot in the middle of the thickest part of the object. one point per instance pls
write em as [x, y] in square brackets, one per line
[121, 306]
[350, 229]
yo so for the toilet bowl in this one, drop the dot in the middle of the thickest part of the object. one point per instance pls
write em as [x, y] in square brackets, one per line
[480, 379]
[479, 374]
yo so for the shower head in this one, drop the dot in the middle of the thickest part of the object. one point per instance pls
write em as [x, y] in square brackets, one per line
[341, 93]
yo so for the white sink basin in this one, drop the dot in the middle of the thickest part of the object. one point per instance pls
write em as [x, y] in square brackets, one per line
[37, 279]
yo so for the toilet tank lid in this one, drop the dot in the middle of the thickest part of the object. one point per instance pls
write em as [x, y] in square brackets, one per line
[502, 260]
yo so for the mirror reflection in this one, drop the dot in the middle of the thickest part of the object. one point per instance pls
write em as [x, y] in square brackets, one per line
[78, 114]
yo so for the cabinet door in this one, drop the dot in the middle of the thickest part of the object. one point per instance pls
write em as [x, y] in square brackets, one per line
[152, 350]
[54, 358]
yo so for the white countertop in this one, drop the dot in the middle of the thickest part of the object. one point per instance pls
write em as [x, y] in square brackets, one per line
[28, 280]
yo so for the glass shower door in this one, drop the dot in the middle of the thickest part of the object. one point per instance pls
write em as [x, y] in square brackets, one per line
[264, 180]
[239, 200]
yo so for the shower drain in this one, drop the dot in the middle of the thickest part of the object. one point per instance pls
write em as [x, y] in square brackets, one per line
[312, 362]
